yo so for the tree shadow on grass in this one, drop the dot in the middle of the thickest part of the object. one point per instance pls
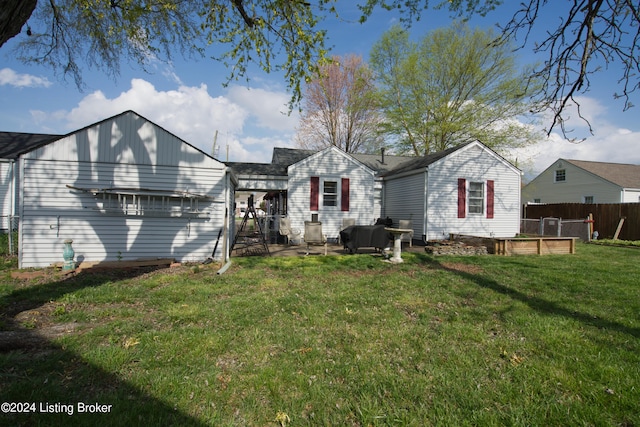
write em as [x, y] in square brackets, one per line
[540, 305]
[54, 382]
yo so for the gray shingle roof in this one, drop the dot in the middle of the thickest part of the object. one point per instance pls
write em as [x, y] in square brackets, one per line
[624, 175]
[289, 156]
[423, 161]
[282, 158]
[240, 168]
[14, 144]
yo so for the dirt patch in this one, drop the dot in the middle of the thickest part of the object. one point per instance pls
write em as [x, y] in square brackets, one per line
[464, 268]
[34, 328]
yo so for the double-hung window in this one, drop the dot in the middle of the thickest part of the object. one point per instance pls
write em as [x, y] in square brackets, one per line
[476, 197]
[330, 193]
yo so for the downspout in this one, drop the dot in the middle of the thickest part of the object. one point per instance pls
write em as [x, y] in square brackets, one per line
[225, 241]
[425, 229]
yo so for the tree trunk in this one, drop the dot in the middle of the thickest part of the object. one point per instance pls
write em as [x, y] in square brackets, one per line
[13, 15]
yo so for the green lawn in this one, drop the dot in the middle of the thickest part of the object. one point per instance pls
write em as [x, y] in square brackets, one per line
[348, 340]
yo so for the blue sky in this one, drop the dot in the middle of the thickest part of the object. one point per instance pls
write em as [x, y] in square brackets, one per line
[188, 99]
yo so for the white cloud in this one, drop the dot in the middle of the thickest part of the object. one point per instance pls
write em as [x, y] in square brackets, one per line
[192, 114]
[11, 78]
[268, 107]
[609, 143]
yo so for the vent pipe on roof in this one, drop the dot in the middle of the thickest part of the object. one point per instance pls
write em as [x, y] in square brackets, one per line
[382, 154]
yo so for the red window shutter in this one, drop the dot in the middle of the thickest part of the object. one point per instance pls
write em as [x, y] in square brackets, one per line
[345, 195]
[462, 198]
[490, 196]
[315, 193]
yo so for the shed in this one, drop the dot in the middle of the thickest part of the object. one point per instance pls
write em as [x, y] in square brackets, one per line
[468, 189]
[121, 189]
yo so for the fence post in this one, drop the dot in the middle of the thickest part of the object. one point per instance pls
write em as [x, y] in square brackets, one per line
[541, 227]
[559, 233]
[10, 234]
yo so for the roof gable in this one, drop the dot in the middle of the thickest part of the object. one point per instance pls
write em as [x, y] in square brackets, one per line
[328, 151]
[124, 138]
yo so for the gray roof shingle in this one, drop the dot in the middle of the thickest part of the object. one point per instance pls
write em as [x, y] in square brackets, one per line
[14, 144]
[624, 175]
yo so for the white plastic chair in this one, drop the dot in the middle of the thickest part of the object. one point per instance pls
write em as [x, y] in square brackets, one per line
[284, 228]
[313, 235]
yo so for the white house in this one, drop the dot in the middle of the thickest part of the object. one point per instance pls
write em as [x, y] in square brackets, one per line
[577, 181]
[468, 189]
[121, 189]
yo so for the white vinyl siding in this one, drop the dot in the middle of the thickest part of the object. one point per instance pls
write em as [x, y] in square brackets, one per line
[332, 165]
[52, 212]
[474, 164]
[7, 201]
[404, 199]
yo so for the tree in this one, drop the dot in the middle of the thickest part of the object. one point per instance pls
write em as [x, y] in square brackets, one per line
[339, 108]
[586, 37]
[589, 35]
[277, 35]
[451, 87]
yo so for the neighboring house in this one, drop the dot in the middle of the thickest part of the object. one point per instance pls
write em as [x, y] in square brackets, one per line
[468, 189]
[576, 181]
[121, 189]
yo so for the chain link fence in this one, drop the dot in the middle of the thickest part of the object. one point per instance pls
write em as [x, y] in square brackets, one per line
[556, 227]
[9, 235]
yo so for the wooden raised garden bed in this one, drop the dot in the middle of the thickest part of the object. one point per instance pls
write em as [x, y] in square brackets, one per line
[535, 245]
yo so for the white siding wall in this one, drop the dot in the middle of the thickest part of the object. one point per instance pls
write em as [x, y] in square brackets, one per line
[631, 196]
[472, 163]
[6, 194]
[330, 164]
[577, 185]
[404, 199]
[51, 212]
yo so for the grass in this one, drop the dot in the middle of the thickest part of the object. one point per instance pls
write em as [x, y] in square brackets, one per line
[345, 340]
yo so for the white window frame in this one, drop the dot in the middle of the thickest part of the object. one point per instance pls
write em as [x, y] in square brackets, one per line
[564, 175]
[326, 194]
[585, 198]
[473, 199]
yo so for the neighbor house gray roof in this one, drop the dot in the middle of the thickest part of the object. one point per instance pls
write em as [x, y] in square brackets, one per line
[14, 144]
[624, 175]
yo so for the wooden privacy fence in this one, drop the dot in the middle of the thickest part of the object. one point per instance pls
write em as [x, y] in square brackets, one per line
[606, 217]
